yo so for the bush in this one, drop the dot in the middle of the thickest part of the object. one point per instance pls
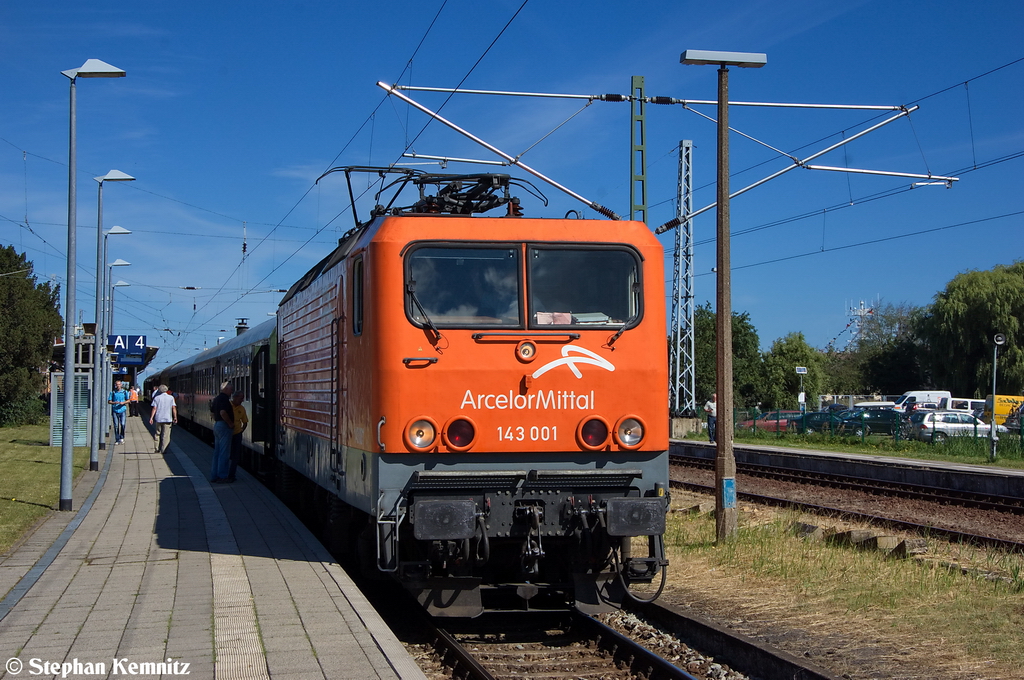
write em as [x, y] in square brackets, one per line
[31, 411]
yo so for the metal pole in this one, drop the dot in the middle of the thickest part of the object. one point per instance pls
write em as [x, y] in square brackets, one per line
[68, 426]
[993, 438]
[725, 462]
[97, 360]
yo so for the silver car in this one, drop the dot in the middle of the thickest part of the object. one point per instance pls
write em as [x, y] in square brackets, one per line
[938, 426]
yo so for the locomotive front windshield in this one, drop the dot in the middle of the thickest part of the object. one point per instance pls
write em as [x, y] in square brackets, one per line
[567, 286]
[450, 286]
[583, 287]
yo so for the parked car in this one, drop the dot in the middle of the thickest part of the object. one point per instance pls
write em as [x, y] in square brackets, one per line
[820, 421]
[872, 421]
[773, 421]
[875, 404]
[938, 426]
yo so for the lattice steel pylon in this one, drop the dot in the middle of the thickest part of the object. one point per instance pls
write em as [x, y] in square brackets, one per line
[638, 151]
[682, 391]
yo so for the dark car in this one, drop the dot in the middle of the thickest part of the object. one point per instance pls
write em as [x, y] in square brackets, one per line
[820, 421]
[773, 421]
[873, 421]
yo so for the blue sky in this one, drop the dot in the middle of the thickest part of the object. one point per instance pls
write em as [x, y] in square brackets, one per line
[230, 111]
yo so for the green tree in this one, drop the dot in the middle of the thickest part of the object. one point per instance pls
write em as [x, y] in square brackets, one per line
[960, 324]
[29, 321]
[747, 375]
[840, 371]
[889, 350]
[782, 383]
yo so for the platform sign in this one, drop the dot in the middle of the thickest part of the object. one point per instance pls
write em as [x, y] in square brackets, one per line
[130, 360]
[127, 344]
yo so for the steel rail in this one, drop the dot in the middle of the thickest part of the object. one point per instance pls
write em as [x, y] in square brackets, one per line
[984, 501]
[923, 529]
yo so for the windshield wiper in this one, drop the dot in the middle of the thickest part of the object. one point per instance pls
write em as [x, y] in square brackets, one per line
[411, 287]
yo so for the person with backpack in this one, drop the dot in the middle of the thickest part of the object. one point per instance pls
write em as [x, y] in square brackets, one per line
[118, 401]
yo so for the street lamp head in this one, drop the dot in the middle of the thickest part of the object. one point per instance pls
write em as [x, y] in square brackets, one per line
[94, 68]
[999, 339]
[741, 59]
[121, 284]
[119, 263]
[114, 176]
[116, 230]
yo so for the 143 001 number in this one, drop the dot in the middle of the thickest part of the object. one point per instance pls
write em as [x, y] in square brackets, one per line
[522, 433]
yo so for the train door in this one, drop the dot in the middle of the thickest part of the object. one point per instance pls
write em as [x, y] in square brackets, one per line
[262, 397]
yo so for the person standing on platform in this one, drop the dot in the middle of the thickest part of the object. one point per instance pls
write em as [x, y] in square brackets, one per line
[241, 422]
[711, 408]
[165, 414]
[118, 401]
[223, 427]
[133, 401]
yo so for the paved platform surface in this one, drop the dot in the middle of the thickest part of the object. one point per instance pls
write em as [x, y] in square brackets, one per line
[159, 568]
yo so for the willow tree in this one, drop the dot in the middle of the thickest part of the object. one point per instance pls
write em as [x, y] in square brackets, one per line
[960, 326]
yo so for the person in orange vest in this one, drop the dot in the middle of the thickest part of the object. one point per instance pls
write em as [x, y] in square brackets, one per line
[133, 401]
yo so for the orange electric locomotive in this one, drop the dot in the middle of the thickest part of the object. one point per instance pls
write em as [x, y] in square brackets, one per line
[482, 399]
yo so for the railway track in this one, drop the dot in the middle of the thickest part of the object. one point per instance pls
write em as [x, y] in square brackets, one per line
[660, 644]
[985, 502]
[547, 647]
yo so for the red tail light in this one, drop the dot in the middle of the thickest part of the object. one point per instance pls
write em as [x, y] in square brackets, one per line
[592, 433]
[459, 434]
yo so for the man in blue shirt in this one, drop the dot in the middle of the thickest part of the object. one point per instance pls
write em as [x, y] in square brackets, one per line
[119, 409]
[223, 427]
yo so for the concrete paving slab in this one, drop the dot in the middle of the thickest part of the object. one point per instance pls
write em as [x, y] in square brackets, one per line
[158, 563]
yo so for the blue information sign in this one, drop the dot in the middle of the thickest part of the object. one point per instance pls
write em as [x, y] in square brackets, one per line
[127, 344]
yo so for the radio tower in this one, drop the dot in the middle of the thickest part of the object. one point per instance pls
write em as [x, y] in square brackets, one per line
[857, 316]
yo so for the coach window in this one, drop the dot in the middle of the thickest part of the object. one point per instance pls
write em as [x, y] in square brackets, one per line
[456, 286]
[576, 287]
[357, 297]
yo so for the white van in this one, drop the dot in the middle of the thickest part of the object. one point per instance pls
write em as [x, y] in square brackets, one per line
[921, 397]
[962, 404]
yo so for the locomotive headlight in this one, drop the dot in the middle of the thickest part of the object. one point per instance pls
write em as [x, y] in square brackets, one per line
[459, 433]
[592, 433]
[421, 434]
[629, 432]
[526, 351]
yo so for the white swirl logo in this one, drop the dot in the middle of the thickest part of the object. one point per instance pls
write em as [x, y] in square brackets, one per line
[14, 665]
[566, 360]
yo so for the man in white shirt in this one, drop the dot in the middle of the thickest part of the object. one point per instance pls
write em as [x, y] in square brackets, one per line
[711, 408]
[164, 414]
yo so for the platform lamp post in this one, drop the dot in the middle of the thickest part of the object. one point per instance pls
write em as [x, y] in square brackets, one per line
[96, 441]
[92, 68]
[998, 340]
[119, 284]
[725, 461]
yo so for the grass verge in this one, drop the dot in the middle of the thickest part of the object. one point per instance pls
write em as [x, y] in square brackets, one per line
[29, 478]
[937, 616]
